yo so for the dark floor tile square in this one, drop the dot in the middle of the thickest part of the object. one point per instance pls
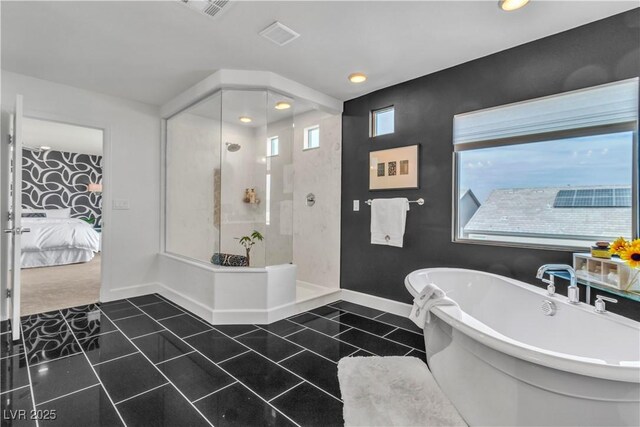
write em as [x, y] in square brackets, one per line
[162, 407]
[145, 299]
[195, 375]
[268, 344]
[282, 327]
[50, 347]
[43, 324]
[327, 311]
[90, 324]
[328, 347]
[315, 369]
[374, 344]
[308, 406]
[87, 408]
[320, 324]
[235, 330]
[80, 310]
[13, 372]
[184, 325]
[161, 346]
[62, 376]
[357, 309]
[161, 310]
[365, 324]
[237, 406]
[138, 325]
[128, 376]
[8, 347]
[120, 310]
[215, 346]
[102, 348]
[399, 321]
[419, 354]
[407, 338]
[259, 374]
[12, 403]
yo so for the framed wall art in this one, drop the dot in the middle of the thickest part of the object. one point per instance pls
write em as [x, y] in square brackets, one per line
[394, 168]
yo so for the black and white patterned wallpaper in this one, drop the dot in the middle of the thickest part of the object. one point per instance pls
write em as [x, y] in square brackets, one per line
[57, 179]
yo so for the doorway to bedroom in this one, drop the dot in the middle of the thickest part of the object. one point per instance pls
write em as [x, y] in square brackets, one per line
[62, 178]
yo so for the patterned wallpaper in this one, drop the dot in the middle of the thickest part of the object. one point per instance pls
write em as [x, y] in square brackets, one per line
[57, 179]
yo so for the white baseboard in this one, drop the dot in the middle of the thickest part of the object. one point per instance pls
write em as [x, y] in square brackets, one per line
[391, 306]
[129, 291]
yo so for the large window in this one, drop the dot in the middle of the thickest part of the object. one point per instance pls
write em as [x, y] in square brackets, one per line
[541, 185]
[311, 137]
[273, 146]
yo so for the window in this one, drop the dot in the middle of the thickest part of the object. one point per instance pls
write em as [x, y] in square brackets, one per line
[312, 137]
[382, 121]
[559, 171]
[273, 146]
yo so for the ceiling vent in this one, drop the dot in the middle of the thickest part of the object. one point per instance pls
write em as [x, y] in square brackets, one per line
[208, 7]
[279, 33]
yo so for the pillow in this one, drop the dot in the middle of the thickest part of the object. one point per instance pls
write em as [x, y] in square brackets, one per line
[34, 215]
[59, 213]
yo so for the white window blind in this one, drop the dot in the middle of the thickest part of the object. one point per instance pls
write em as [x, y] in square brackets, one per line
[612, 103]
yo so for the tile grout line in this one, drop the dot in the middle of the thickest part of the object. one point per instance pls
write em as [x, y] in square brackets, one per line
[227, 372]
[115, 358]
[233, 357]
[293, 355]
[214, 392]
[173, 358]
[146, 335]
[238, 336]
[193, 335]
[57, 358]
[385, 335]
[68, 394]
[140, 394]
[95, 372]
[143, 305]
[123, 318]
[14, 389]
[310, 351]
[370, 318]
[381, 314]
[158, 369]
[96, 335]
[346, 330]
[286, 391]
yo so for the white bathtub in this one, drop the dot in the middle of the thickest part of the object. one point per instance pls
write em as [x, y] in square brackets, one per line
[503, 362]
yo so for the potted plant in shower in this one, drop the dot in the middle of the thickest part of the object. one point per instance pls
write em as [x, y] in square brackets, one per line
[249, 241]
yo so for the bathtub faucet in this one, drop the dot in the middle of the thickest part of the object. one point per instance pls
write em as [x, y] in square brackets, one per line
[573, 292]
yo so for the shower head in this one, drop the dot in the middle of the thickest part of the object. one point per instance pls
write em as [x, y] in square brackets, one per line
[232, 147]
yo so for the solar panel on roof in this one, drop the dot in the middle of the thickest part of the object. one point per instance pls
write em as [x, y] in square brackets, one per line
[593, 198]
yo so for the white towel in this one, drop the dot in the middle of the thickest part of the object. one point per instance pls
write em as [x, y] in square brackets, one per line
[388, 219]
[430, 297]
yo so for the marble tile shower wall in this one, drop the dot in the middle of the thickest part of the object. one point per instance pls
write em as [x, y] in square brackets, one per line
[145, 361]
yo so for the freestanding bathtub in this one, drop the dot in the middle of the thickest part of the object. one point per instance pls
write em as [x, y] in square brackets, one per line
[502, 361]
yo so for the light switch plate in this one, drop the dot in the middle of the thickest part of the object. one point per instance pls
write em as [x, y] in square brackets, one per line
[120, 204]
[356, 205]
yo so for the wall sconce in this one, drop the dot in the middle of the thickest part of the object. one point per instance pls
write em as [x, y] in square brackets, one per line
[94, 188]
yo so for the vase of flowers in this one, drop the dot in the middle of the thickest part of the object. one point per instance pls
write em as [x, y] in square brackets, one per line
[629, 252]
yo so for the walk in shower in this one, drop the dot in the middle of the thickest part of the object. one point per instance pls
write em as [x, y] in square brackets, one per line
[241, 159]
[229, 173]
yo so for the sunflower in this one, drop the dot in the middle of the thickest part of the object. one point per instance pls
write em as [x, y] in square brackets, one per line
[631, 254]
[618, 246]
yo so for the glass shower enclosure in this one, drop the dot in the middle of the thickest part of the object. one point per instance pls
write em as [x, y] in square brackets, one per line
[229, 174]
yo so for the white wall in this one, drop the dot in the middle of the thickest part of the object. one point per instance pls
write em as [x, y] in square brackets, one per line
[132, 154]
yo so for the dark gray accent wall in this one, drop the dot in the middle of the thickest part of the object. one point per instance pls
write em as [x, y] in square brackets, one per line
[597, 53]
[57, 179]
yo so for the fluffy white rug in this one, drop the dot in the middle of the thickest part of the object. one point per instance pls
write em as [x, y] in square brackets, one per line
[393, 391]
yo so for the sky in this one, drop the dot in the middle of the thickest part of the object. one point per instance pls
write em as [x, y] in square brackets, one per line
[591, 160]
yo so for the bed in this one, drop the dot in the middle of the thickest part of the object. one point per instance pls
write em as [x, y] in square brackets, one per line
[57, 241]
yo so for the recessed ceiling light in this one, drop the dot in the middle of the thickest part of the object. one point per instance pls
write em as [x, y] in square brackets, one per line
[509, 5]
[245, 119]
[283, 105]
[45, 148]
[357, 77]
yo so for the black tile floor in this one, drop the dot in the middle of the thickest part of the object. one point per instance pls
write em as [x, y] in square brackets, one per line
[147, 362]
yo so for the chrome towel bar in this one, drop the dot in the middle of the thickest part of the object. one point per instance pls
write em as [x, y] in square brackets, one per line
[420, 201]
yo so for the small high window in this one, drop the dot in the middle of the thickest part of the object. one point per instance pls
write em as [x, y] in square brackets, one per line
[273, 146]
[382, 121]
[312, 137]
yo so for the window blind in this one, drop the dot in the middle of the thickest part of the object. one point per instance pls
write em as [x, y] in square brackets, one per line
[611, 103]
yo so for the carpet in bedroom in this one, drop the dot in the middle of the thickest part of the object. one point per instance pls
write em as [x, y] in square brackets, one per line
[63, 286]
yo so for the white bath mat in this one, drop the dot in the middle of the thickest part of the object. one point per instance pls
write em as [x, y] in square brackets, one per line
[393, 391]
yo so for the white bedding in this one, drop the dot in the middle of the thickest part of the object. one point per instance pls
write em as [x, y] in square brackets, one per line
[66, 238]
